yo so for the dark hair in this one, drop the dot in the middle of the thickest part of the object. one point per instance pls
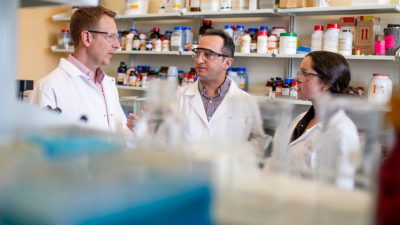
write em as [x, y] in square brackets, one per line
[228, 47]
[86, 18]
[332, 68]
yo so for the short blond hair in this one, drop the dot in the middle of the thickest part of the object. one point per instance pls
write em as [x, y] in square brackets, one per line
[87, 18]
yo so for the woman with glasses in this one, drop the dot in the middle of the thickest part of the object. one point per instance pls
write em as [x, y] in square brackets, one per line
[79, 87]
[320, 73]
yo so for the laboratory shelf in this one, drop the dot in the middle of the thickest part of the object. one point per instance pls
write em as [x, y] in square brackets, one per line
[66, 17]
[283, 100]
[70, 50]
[349, 57]
[231, 14]
[147, 53]
[131, 88]
[341, 10]
[149, 16]
[54, 48]
[253, 55]
[62, 17]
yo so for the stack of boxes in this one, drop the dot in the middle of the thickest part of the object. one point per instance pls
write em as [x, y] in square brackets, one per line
[312, 3]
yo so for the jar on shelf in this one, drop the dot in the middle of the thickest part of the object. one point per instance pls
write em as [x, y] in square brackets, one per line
[206, 25]
[245, 43]
[331, 38]
[262, 40]
[228, 30]
[64, 39]
[345, 42]
[316, 38]
[272, 44]
[380, 88]
[237, 37]
[288, 43]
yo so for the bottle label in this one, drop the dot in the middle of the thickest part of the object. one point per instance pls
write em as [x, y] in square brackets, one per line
[120, 77]
[379, 89]
[390, 41]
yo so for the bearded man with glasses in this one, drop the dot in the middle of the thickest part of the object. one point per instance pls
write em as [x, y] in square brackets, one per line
[214, 107]
[78, 87]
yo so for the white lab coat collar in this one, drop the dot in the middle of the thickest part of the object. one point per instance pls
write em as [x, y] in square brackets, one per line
[197, 102]
[73, 71]
[306, 133]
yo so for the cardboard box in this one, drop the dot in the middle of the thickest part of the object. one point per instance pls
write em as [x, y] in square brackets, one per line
[339, 2]
[366, 29]
[296, 3]
[291, 3]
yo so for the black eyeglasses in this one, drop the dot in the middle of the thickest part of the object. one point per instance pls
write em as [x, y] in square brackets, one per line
[112, 37]
[208, 54]
[302, 73]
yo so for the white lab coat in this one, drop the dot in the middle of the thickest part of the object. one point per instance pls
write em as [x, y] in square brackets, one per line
[237, 118]
[340, 140]
[76, 95]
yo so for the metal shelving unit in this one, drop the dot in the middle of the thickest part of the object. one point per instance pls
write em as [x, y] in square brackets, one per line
[292, 13]
[131, 88]
[251, 55]
[340, 10]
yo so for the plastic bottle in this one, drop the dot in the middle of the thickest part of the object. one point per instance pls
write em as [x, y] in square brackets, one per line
[155, 35]
[269, 89]
[129, 41]
[244, 78]
[158, 45]
[245, 43]
[135, 43]
[253, 42]
[345, 42]
[237, 37]
[262, 42]
[272, 44]
[228, 29]
[207, 24]
[293, 90]
[165, 44]
[379, 46]
[64, 40]
[177, 39]
[380, 88]
[316, 38]
[172, 73]
[188, 39]
[225, 5]
[288, 43]
[142, 38]
[121, 73]
[279, 87]
[331, 38]
[286, 88]
[232, 74]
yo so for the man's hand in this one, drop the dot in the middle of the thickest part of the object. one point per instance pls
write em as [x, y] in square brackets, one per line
[131, 121]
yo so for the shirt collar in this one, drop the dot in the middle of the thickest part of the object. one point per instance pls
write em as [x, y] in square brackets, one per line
[96, 76]
[222, 90]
